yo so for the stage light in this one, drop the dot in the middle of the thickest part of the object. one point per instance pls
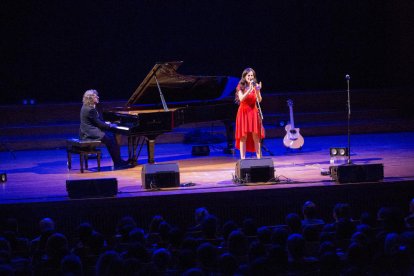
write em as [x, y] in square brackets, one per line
[3, 177]
[339, 155]
[338, 151]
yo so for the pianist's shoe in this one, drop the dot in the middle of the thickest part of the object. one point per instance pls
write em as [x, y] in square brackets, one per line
[122, 165]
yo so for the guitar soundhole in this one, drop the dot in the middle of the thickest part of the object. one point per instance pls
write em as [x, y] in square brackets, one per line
[293, 131]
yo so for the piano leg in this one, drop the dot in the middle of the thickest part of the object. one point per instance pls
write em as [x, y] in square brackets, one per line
[150, 150]
[135, 141]
[133, 152]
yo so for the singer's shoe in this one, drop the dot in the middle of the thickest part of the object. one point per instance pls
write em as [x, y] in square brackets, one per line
[122, 165]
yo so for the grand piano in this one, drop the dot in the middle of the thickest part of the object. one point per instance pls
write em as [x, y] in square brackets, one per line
[166, 99]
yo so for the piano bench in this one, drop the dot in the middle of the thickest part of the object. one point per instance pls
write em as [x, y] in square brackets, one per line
[84, 148]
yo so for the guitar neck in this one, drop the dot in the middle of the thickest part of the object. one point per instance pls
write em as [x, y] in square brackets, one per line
[292, 122]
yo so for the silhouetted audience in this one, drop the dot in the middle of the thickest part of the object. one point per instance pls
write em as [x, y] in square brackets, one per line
[342, 247]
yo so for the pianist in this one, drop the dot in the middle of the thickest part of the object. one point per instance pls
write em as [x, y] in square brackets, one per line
[93, 128]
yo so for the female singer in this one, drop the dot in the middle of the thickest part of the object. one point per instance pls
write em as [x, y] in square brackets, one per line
[249, 129]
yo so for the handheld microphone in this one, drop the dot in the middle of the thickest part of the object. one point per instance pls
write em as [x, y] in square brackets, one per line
[347, 77]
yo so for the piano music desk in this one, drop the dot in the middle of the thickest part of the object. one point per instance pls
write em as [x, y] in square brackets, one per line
[83, 148]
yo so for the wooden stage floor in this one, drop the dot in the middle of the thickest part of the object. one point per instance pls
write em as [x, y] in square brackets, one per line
[40, 176]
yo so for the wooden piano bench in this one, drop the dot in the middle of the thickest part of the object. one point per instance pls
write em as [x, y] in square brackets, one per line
[84, 148]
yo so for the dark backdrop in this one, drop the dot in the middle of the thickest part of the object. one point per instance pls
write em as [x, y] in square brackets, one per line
[52, 51]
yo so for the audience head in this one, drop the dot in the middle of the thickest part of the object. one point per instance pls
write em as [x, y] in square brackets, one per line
[175, 237]
[341, 211]
[264, 235]
[228, 227]
[294, 223]
[57, 246]
[85, 231]
[125, 225]
[97, 243]
[207, 255]
[311, 232]
[164, 230]
[280, 235]
[256, 250]
[249, 227]
[392, 219]
[368, 219]
[200, 214]
[392, 244]
[161, 258]
[209, 226]
[296, 246]
[238, 243]
[309, 210]
[155, 223]
[137, 235]
[357, 255]
[46, 225]
[71, 265]
[228, 264]
[109, 264]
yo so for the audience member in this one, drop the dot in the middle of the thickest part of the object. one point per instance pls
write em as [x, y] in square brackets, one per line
[199, 215]
[310, 214]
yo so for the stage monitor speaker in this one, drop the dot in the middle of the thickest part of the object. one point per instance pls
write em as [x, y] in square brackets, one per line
[200, 150]
[352, 173]
[255, 170]
[156, 176]
[90, 188]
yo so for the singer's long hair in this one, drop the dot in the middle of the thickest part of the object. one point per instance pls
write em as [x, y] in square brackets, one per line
[243, 83]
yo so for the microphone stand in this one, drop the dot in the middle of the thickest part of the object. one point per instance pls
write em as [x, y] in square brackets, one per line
[262, 141]
[347, 77]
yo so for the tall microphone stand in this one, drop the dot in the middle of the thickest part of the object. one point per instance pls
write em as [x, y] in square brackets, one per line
[261, 116]
[347, 77]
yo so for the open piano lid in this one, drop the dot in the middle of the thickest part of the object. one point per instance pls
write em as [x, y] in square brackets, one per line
[180, 88]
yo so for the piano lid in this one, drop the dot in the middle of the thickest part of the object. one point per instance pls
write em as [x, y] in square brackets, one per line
[180, 88]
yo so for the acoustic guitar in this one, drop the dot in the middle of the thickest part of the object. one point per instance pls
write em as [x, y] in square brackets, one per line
[293, 139]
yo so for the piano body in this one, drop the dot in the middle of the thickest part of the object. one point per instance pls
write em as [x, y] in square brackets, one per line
[190, 99]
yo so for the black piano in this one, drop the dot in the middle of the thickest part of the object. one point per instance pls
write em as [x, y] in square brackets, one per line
[166, 99]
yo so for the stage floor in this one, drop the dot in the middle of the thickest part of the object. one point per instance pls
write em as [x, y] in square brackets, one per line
[37, 176]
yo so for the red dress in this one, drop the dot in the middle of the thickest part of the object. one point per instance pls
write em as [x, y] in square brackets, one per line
[248, 121]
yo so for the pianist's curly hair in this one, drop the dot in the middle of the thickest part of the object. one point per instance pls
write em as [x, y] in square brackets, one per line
[243, 83]
[88, 97]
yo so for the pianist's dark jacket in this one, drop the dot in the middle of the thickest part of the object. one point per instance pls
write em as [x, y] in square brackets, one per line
[91, 126]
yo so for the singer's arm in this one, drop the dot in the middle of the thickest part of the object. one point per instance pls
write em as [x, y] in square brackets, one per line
[242, 95]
